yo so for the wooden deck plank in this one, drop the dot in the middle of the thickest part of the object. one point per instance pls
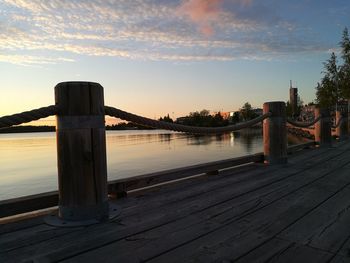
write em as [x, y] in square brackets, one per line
[170, 228]
[172, 194]
[257, 191]
[279, 250]
[326, 227]
[23, 224]
[339, 259]
[252, 230]
[31, 236]
[168, 237]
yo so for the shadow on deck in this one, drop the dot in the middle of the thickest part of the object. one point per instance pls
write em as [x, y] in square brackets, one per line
[297, 212]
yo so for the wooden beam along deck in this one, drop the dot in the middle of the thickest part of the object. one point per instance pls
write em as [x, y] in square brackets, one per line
[297, 212]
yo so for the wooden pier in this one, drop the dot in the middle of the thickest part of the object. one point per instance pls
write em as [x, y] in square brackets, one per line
[294, 212]
[286, 204]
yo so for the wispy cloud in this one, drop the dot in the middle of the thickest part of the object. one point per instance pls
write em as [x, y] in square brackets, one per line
[191, 30]
[26, 60]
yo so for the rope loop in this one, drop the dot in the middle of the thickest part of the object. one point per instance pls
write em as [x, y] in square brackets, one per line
[27, 116]
[303, 124]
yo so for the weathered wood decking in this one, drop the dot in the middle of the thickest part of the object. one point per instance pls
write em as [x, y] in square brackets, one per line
[299, 212]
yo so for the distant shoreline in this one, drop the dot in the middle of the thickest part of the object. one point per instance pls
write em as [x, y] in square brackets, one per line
[30, 128]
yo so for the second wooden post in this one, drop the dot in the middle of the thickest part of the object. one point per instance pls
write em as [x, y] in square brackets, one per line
[275, 133]
[323, 128]
[81, 152]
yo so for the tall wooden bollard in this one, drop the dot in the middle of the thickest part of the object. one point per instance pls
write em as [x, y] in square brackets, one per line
[81, 152]
[275, 133]
[342, 129]
[323, 128]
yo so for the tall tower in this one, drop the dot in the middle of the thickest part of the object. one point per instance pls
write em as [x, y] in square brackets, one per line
[293, 99]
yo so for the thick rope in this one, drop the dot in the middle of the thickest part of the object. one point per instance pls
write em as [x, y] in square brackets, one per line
[179, 127]
[303, 124]
[27, 116]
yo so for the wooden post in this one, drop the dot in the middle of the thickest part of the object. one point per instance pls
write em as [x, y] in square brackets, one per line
[275, 133]
[81, 152]
[323, 132]
[342, 129]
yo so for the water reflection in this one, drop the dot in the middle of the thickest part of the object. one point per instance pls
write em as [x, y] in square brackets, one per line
[165, 137]
[199, 140]
[248, 137]
[28, 161]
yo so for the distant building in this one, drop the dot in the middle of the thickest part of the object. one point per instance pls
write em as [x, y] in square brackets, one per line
[258, 111]
[182, 120]
[293, 99]
[255, 112]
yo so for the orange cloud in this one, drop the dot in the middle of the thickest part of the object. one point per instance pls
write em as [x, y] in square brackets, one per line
[205, 13]
[202, 12]
[245, 2]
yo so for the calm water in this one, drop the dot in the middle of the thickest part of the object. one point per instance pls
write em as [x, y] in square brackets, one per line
[28, 160]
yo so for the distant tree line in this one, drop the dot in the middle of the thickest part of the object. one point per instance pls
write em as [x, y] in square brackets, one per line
[28, 128]
[127, 126]
[203, 119]
[334, 86]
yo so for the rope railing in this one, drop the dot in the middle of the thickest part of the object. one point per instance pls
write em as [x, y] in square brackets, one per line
[27, 116]
[36, 114]
[303, 124]
[117, 113]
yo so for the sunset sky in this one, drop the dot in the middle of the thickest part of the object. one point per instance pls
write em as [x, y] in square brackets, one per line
[155, 57]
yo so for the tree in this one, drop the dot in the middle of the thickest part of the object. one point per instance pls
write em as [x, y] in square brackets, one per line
[166, 118]
[204, 113]
[345, 68]
[246, 111]
[235, 117]
[218, 120]
[329, 92]
[204, 119]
